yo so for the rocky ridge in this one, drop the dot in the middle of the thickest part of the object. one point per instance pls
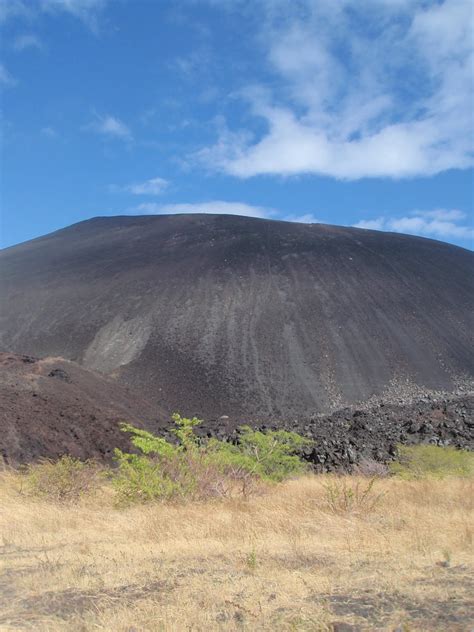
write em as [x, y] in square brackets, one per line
[50, 407]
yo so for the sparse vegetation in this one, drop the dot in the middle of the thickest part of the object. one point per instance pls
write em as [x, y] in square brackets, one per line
[200, 469]
[422, 461]
[351, 495]
[278, 561]
[313, 552]
[64, 480]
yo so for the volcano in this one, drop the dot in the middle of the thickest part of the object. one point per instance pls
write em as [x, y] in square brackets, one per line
[221, 315]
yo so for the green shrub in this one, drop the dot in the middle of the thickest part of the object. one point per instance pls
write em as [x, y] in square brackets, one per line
[141, 478]
[425, 461]
[271, 456]
[199, 469]
[184, 475]
[64, 480]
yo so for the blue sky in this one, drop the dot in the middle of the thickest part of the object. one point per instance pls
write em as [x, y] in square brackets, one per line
[349, 112]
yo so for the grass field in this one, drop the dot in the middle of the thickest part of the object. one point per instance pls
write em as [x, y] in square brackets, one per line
[298, 557]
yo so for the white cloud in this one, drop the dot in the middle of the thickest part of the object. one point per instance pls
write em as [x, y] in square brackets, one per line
[372, 224]
[221, 207]
[25, 41]
[111, 127]
[155, 186]
[442, 223]
[218, 207]
[306, 218]
[147, 208]
[5, 77]
[398, 103]
[443, 214]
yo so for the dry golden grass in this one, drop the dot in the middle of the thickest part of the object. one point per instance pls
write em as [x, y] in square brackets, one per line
[281, 561]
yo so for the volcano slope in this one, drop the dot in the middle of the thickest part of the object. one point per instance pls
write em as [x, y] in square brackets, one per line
[50, 407]
[255, 319]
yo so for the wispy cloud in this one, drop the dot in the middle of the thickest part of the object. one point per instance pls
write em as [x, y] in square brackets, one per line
[193, 63]
[305, 218]
[219, 207]
[49, 132]
[10, 9]
[222, 207]
[396, 103]
[85, 10]
[442, 223]
[6, 78]
[26, 41]
[109, 126]
[154, 186]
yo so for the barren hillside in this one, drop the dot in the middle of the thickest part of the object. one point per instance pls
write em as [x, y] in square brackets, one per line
[225, 315]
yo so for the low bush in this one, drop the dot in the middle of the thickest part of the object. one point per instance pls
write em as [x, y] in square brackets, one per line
[64, 480]
[432, 461]
[199, 469]
[354, 496]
